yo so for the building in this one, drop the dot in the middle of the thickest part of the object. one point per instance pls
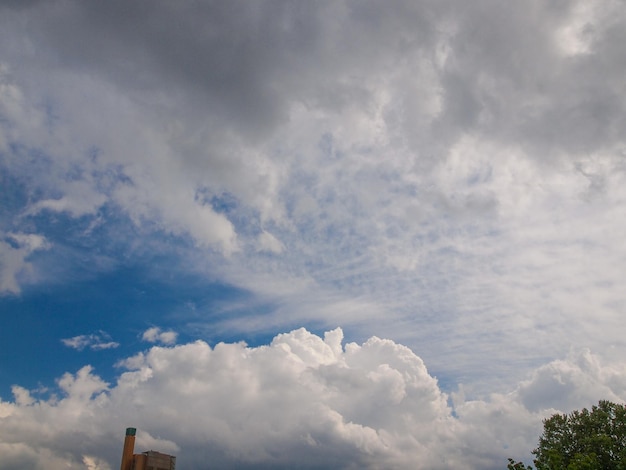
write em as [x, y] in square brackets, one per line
[150, 460]
[153, 460]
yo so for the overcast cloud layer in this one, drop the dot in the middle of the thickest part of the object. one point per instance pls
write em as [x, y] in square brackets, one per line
[450, 175]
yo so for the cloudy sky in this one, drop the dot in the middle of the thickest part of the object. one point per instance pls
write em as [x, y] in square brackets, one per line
[296, 234]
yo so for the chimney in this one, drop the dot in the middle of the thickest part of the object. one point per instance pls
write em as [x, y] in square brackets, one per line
[129, 449]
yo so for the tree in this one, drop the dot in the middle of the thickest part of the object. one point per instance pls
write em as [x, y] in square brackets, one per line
[582, 440]
[513, 465]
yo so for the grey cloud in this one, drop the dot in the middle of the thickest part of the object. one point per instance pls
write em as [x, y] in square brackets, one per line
[18, 3]
[243, 65]
[16, 456]
[509, 80]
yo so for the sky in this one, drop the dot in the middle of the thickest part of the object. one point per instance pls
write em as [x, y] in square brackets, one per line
[286, 234]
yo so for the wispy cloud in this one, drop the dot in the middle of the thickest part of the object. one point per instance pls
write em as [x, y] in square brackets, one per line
[95, 342]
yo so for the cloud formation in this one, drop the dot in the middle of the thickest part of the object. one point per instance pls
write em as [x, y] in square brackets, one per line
[445, 174]
[361, 151]
[155, 335]
[95, 342]
[301, 400]
[15, 269]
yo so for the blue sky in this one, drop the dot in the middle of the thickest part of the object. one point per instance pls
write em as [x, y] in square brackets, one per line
[392, 235]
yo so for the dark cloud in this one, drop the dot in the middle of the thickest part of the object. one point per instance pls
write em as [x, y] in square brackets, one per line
[18, 4]
[244, 65]
[240, 62]
[510, 78]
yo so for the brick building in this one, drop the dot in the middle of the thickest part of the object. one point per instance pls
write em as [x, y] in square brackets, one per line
[150, 460]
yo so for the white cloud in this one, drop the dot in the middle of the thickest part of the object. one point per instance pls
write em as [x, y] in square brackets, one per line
[21, 395]
[94, 463]
[155, 335]
[15, 250]
[269, 243]
[80, 199]
[301, 400]
[572, 383]
[95, 342]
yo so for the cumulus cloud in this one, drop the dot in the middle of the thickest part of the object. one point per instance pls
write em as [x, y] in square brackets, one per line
[571, 383]
[155, 335]
[301, 400]
[95, 342]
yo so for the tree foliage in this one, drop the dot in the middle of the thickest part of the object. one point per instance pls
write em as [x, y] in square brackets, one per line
[582, 440]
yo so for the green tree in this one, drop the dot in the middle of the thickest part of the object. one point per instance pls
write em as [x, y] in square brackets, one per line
[582, 440]
[513, 465]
